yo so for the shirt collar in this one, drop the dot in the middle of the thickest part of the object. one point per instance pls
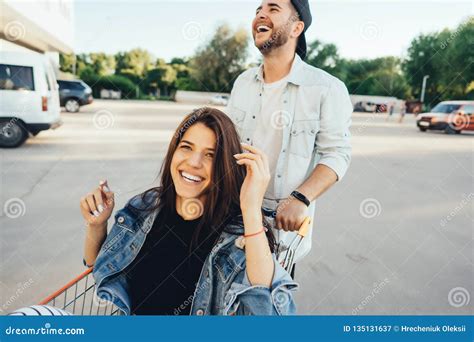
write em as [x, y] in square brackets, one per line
[295, 76]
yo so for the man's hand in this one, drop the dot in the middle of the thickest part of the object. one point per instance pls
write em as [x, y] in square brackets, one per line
[290, 214]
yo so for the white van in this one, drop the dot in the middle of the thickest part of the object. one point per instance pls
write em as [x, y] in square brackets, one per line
[29, 97]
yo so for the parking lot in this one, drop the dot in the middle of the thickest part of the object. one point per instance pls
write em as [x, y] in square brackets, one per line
[393, 237]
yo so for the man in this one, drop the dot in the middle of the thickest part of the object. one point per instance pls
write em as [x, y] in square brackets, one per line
[297, 114]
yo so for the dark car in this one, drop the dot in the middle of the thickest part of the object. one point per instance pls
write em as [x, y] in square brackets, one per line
[74, 94]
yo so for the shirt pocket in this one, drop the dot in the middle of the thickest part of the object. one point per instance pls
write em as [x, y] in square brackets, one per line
[226, 266]
[303, 137]
[238, 116]
[123, 224]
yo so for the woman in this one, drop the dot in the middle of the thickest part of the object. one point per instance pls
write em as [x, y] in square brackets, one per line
[197, 243]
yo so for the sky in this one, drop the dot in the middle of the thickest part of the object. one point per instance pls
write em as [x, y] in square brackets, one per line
[360, 29]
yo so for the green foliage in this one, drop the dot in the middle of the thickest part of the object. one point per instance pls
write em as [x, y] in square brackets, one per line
[111, 82]
[66, 62]
[216, 65]
[446, 56]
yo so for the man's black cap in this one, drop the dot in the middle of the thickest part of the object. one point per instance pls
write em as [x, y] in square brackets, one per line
[302, 7]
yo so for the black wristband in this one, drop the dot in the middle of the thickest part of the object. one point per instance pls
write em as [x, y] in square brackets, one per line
[300, 197]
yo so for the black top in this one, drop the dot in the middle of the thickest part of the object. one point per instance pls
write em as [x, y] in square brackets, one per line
[163, 276]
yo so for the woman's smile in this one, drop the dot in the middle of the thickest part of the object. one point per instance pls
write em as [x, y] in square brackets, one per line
[190, 178]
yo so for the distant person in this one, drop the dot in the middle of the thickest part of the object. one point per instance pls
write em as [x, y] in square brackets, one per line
[297, 114]
[403, 111]
[390, 111]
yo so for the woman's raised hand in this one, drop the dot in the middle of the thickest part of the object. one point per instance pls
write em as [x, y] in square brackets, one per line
[97, 206]
[257, 178]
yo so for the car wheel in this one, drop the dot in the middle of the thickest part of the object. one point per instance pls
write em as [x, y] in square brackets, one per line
[12, 134]
[422, 129]
[72, 106]
[450, 130]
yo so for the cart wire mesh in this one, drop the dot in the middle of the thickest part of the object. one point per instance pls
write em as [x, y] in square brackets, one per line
[79, 298]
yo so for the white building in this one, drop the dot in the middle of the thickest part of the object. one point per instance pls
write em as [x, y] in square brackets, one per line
[44, 26]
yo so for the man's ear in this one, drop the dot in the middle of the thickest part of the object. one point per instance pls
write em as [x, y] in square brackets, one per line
[298, 29]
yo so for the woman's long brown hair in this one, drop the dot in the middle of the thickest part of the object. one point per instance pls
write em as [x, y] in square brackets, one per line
[222, 204]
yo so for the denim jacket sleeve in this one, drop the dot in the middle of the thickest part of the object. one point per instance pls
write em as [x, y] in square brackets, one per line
[247, 299]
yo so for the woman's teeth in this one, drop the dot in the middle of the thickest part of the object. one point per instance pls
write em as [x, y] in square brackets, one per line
[190, 178]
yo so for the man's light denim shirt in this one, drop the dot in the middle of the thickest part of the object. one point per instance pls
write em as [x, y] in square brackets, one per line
[223, 287]
[317, 109]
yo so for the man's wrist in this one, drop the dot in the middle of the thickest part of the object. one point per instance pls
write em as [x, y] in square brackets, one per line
[301, 197]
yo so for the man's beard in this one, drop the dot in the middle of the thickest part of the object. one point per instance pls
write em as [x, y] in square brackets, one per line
[278, 38]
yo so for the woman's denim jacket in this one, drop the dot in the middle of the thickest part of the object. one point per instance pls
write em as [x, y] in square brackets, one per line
[223, 287]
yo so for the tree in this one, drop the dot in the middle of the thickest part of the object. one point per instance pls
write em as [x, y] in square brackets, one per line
[133, 64]
[326, 57]
[162, 77]
[102, 63]
[456, 62]
[66, 62]
[216, 65]
[421, 61]
[380, 76]
[448, 58]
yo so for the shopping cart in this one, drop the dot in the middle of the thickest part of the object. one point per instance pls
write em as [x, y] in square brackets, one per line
[79, 298]
[286, 254]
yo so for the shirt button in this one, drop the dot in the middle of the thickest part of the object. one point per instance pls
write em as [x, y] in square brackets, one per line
[279, 176]
[285, 101]
[200, 312]
[248, 139]
[120, 219]
[253, 117]
[284, 150]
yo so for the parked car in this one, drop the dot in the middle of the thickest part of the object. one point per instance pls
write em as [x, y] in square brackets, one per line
[365, 106]
[449, 116]
[220, 100]
[28, 95]
[74, 94]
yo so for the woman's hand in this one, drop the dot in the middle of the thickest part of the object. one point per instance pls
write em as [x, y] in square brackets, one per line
[257, 178]
[97, 206]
